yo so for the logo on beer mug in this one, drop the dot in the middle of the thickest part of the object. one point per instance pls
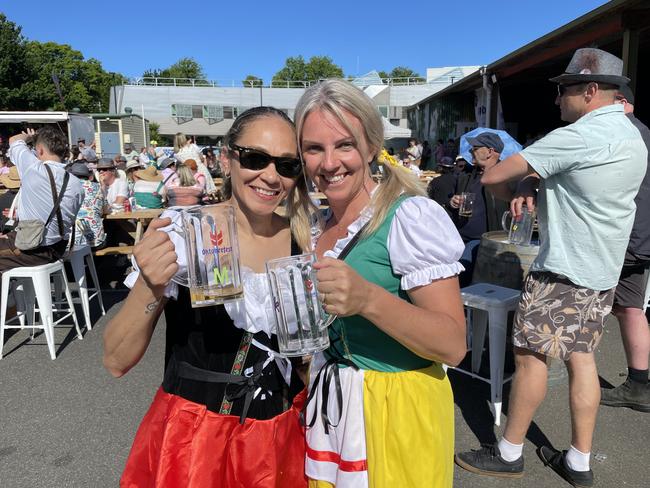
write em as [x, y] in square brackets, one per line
[221, 275]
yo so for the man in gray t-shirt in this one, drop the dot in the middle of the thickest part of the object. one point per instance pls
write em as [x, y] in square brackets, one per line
[629, 300]
[588, 174]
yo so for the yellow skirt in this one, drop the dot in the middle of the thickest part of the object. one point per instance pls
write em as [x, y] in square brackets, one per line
[409, 424]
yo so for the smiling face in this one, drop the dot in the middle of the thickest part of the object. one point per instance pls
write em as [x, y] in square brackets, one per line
[261, 191]
[336, 163]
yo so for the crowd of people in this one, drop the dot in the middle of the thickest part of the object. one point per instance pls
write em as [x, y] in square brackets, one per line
[376, 408]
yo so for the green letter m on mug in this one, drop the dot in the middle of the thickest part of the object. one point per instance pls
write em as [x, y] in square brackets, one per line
[221, 275]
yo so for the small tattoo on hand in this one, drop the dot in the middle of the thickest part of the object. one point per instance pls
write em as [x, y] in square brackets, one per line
[151, 307]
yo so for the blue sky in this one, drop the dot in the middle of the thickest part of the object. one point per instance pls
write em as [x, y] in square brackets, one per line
[232, 39]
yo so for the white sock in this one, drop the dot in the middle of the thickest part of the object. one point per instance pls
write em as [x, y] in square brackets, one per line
[510, 452]
[576, 460]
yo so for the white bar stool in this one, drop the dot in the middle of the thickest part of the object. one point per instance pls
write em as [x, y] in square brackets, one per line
[80, 258]
[38, 298]
[489, 304]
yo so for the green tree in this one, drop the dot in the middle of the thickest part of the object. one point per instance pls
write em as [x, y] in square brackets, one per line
[82, 83]
[183, 68]
[13, 65]
[154, 135]
[252, 81]
[400, 72]
[296, 70]
[320, 67]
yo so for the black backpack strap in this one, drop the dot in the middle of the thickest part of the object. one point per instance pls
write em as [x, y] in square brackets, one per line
[56, 198]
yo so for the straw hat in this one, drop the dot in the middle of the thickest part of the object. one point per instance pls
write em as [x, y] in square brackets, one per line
[149, 174]
[12, 179]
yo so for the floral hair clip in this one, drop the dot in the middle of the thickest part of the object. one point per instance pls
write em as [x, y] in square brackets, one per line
[385, 158]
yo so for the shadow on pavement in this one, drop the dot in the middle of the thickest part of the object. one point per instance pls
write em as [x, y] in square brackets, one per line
[473, 397]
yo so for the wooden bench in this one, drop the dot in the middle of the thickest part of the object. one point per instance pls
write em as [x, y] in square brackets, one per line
[108, 251]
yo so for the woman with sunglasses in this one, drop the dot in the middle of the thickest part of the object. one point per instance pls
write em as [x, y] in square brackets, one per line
[200, 431]
[380, 411]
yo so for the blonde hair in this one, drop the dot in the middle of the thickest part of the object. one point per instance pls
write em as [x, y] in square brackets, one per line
[337, 97]
[179, 141]
[185, 175]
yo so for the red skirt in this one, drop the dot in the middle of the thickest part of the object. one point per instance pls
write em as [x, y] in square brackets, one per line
[182, 444]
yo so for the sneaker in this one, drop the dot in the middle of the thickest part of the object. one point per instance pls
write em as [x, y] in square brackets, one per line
[629, 394]
[488, 461]
[556, 460]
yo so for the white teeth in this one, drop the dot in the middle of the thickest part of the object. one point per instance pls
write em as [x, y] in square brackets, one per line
[335, 178]
[268, 193]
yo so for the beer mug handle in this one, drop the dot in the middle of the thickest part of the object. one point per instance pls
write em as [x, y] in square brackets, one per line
[179, 280]
[504, 219]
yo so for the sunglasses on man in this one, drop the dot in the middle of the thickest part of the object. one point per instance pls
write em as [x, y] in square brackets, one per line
[562, 88]
[256, 160]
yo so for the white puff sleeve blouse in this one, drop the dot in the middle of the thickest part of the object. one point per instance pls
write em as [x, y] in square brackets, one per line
[423, 243]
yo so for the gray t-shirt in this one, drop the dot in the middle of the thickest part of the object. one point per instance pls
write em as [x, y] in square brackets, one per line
[35, 196]
[640, 236]
[591, 171]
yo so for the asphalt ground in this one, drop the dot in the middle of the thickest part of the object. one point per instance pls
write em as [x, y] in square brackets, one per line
[68, 423]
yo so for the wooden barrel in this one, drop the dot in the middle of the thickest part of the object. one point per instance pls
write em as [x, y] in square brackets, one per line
[501, 263]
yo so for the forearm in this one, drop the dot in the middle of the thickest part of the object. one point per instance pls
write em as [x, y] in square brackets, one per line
[432, 335]
[128, 334]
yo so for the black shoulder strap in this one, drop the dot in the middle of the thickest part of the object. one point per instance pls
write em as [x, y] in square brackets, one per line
[56, 198]
[350, 245]
[168, 176]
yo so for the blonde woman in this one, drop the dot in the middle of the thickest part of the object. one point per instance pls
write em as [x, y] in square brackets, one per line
[185, 149]
[185, 190]
[380, 412]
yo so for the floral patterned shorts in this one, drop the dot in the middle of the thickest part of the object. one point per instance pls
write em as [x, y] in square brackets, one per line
[555, 317]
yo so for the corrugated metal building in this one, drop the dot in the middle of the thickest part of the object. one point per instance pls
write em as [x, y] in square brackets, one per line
[210, 110]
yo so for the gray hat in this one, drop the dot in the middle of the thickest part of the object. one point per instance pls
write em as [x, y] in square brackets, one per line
[79, 168]
[591, 64]
[487, 139]
[446, 162]
[167, 162]
[105, 163]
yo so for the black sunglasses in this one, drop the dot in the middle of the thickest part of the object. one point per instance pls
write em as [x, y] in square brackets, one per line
[561, 88]
[256, 160]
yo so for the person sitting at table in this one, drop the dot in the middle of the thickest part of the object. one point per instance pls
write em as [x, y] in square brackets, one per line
[149, 190]
[5, 164]
[131, 167]
[185, 190]
[198, 176]
[11, 181]
[168, 170]
[115, 189]
[89, 223]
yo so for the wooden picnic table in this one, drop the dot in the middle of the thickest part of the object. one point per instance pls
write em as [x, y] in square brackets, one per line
[142, 218]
